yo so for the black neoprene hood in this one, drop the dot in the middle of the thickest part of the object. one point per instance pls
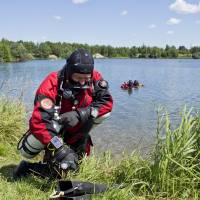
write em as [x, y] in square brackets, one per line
[80, 61]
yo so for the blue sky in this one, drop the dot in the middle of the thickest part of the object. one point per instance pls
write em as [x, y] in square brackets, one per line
[109, 22]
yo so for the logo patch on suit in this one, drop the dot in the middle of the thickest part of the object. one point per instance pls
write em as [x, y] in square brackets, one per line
[46, 103]
[103, 84]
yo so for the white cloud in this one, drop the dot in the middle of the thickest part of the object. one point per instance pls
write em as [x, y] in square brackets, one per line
[170, 32]
[57, 17]
[181, 6]
[124, 12]
[173, 21]
[79, 1]
[151, 26]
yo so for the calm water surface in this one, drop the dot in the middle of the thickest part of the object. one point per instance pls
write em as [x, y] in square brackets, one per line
[169, 83]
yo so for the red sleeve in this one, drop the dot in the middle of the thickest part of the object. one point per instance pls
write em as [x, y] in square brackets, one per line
[41, 121]
[103, 101]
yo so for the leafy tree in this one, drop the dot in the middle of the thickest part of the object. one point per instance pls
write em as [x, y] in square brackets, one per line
[172, 52]
[44, 50]
[195, 49]
[111, 52]
[196, 55]
[19, 52]
[183, 50]
[167, 47]
[104, 51]
[164, 54]
[143, 52]
[93, 49]
[155, 52]
[66, 50]
[133, 52]
[56, 49]
[31, 47]
[5, 55]
[1, 53]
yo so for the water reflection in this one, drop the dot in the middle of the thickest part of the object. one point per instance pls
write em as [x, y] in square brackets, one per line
[130, 91]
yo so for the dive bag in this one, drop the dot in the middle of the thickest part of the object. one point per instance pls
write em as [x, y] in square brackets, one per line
[77, 190]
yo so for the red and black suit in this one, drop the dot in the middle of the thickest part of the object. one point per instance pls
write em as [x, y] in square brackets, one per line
[41, 125]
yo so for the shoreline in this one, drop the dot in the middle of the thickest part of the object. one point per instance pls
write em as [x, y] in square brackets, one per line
[138, 58]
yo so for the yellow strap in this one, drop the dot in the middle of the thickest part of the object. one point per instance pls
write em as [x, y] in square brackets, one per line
[56, 194]
[51, 149]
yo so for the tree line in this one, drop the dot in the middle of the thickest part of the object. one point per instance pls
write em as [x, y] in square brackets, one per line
[11, 51]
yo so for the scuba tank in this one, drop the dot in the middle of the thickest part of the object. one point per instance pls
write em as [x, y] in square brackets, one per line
[29, 146]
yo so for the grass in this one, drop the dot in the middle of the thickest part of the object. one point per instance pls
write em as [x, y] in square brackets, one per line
[12, 120]
[176, 165]
[170, 171]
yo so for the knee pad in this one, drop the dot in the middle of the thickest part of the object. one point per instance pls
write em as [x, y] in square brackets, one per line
[100, 119]
[29, 146]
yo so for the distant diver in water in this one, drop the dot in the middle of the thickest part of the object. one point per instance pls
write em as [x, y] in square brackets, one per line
[131, 85]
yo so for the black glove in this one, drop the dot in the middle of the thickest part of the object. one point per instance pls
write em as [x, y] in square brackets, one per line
[69, 119]
[72, 118]
[84, 114]
[64, 158]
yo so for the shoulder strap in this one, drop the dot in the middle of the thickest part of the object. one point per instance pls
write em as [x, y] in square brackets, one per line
[60, 89]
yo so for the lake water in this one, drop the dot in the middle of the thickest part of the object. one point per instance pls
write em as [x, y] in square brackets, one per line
[169, 83]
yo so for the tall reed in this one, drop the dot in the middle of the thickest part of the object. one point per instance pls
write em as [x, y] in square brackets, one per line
[176, 167]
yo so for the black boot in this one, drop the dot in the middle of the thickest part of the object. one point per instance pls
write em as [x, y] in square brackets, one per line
[21, 170]
[42, 170]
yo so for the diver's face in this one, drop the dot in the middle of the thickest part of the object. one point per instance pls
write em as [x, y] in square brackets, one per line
[81, 78]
